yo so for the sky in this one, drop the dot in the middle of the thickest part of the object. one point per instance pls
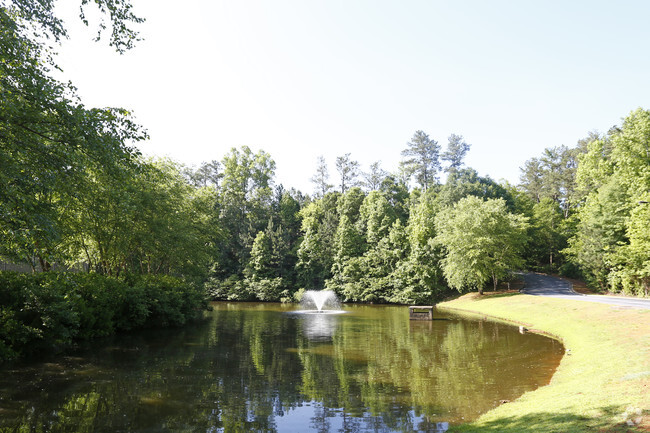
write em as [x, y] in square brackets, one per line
[304, 78]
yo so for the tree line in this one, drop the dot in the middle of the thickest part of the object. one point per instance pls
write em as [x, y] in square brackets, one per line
[76, 190]
[590, 206]
[376, 237]
[406, 237]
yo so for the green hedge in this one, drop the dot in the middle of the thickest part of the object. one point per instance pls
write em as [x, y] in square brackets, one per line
[50, 311]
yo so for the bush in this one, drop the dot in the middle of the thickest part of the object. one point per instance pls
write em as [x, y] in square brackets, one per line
[172, 302]
[266, 289]
[230, 289]
[249, 289]
[570, 270]
[297, 296]
[50, 310]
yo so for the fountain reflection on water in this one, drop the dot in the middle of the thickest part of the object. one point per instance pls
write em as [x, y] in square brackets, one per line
[319, 327]
[318, 314]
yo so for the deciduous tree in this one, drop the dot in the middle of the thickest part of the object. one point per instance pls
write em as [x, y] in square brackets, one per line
[244, 202]
[482, 242]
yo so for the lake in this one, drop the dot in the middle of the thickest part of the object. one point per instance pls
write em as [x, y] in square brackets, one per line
[252, 367]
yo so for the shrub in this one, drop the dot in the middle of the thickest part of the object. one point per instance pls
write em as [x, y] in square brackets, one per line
[230, 289]
[266, 289]
[172, 302]
[297, 296]
[249, 289]
[50, 310]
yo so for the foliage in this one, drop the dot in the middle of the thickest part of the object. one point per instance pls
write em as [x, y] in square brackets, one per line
[547, 236]
[553, 176]
[482, 241]
[51, 311]
[348, 172]
[418, 276]
[48, 139]
[422, 159]
[610, 241]
[37, 21]
[378, 259]
[349, 240]
[320, 220]
[467, 182]
[243, 207]
[374, 177]
[231, 289]
[149, 220]
[457, 148]
[631, 270]
[207, 174]
[74, 190]
[321, 178]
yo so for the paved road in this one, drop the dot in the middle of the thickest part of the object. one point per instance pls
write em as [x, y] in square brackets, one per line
[544, 285]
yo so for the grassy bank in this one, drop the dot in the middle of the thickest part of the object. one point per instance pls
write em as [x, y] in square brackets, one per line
[603, 381]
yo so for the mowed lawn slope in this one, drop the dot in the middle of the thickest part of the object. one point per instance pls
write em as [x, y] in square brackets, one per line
[602, 383]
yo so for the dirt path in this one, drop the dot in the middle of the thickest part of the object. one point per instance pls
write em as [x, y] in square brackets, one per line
[544, 285]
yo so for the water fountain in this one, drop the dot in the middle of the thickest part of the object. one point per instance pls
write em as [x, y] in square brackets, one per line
[324, 301]
[318, 314]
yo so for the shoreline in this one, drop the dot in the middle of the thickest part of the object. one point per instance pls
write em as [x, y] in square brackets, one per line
[601, 384]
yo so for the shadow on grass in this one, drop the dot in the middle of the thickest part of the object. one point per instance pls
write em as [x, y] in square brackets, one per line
[501, 295]
[553, 422]
[491, 295]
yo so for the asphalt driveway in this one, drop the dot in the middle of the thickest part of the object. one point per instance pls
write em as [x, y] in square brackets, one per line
[545, 285]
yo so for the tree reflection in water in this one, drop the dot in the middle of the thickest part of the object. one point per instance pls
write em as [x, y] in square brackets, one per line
[252, 368]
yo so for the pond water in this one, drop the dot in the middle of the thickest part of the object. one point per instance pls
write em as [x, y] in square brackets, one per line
[259, 368]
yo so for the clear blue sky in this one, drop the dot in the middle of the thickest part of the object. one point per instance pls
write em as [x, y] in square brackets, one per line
[305, 78]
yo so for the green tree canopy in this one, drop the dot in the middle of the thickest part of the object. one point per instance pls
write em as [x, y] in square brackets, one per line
[244, 202]
[553, 175]
[48, 139]
[611, 232]
[320, 221]
[482, 241]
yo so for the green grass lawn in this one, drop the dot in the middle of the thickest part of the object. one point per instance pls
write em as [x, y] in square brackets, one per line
[601, 385]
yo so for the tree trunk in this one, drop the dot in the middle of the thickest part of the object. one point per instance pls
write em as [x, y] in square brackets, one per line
[32, 264]
[45, 265]
[90, 263]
